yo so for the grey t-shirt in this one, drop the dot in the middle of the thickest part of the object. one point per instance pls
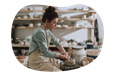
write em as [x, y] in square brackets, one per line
[38, 40]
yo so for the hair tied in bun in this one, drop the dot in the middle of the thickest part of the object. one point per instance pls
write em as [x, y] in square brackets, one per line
[50, 9]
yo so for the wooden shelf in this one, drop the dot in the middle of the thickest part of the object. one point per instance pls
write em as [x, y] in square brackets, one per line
[69, 11]
[71, 19]
[17, 45]
[57, 27]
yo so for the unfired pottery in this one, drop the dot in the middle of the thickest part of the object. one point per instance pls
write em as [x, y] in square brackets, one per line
[70, 62]
[78, 53]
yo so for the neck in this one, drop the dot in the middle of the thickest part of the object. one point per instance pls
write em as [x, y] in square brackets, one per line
[45, 27]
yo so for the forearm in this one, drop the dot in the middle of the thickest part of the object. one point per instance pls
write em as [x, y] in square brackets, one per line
[66, 56]
[62, 49]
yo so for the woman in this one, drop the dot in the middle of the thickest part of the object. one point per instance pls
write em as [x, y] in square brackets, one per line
[40, 58]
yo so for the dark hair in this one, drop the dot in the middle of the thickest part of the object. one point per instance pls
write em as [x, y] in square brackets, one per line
[49, 14]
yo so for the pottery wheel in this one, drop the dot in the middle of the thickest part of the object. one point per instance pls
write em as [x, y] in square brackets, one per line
[65, 67]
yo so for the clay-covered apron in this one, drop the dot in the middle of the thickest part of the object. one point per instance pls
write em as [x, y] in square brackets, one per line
[41, 63]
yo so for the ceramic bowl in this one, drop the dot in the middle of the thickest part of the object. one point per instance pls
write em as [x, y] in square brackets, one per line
[31, 25]
[18, 17]
[64, 25]
[38, 24]
[23, 51]
[31, 16]
[76, 25]
[21, 43]
[85, 9]
[84, 16]
[25, 17]
[58, 26]
[30, 8]
[91, 17]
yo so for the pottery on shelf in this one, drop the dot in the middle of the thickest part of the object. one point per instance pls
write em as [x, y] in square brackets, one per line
[31, 16]
[64, 25]
[30, 8]
[25, 17]
[38, 24]
[18, 17]
[91, 17]
[58, 25]
[30, 24]
[21, 43]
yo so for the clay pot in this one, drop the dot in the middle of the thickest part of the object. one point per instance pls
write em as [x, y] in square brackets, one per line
[70, 62]
[78, 53]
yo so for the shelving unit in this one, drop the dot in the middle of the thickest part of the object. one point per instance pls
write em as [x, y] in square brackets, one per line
[71, 19]
[57, 27]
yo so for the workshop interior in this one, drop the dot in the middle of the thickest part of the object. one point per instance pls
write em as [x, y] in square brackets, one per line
[82, 31]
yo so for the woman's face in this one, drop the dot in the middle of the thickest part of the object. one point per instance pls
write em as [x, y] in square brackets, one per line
[52, 24]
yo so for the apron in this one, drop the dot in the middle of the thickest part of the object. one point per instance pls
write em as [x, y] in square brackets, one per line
[41, 63]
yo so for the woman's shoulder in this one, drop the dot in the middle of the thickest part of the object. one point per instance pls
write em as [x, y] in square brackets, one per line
[39, 30]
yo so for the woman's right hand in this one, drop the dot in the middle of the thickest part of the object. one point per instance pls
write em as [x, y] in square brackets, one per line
[61, 56]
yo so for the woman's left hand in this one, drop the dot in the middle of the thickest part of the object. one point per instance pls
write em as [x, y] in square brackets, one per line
[68, 57]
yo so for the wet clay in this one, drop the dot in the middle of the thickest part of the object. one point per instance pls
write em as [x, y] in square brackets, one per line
[70, 62]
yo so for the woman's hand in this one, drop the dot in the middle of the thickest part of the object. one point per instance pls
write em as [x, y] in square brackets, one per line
[64, 52]
[68, 57]
[61, 56]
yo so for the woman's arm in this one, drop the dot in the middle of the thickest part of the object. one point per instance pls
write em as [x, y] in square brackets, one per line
[40, 39]
[62, 49]
[58, 45]
[55, 42]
